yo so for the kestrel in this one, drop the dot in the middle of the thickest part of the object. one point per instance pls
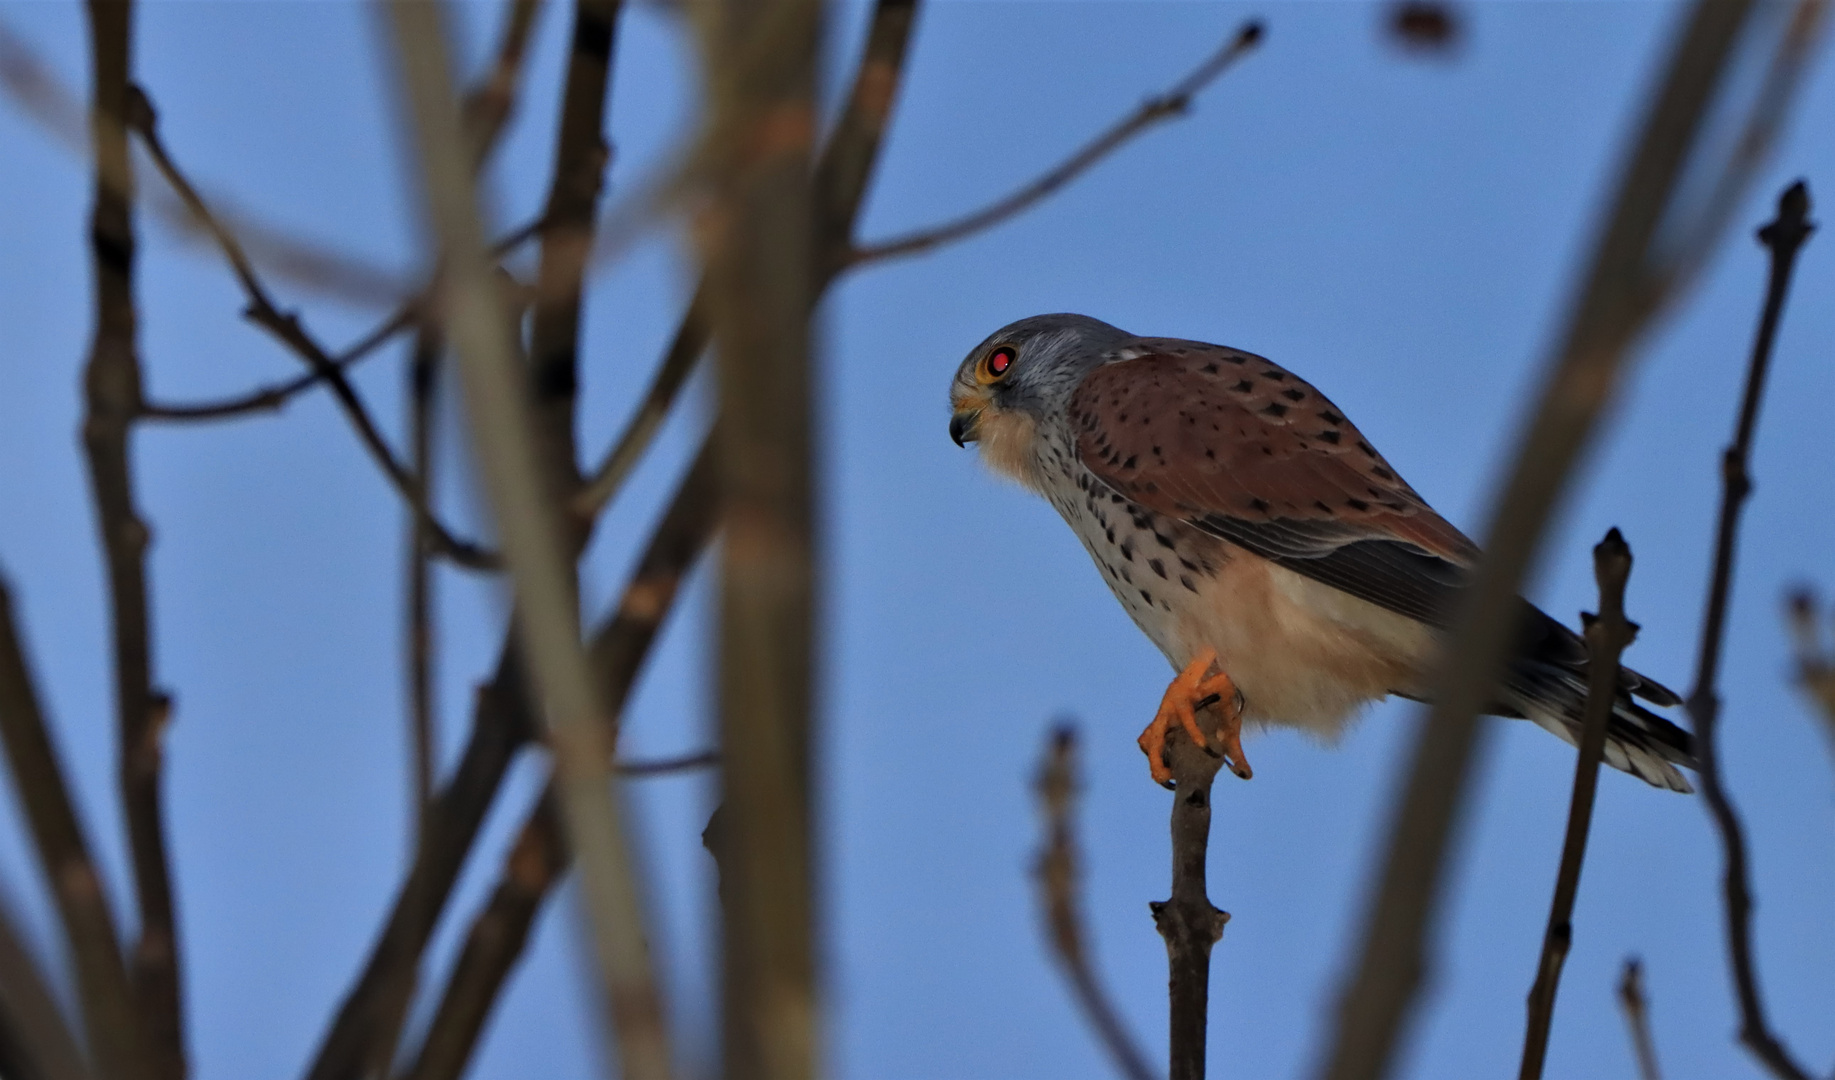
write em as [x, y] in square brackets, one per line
[1280, 563]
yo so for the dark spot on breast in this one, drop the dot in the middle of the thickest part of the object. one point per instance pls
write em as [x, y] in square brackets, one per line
[1330, 436]
[1275, 408]
[1294, 394]
[1157, 566]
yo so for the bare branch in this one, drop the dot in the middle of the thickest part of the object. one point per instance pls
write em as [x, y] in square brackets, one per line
[495, 396]
[1637, 1019]
[1188, 921]
[1632, 275]
[112, 391]
[1059, 877]
[116, 1039]
[1783, 236]
[1608, 635]
[496, 938]
[1175, 102]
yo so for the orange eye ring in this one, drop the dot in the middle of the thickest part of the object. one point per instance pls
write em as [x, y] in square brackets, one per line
[995, 365]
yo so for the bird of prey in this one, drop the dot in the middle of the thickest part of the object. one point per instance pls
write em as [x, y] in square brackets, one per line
[1280, 563]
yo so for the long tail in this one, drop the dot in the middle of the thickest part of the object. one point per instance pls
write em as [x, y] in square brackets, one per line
[1547, 683]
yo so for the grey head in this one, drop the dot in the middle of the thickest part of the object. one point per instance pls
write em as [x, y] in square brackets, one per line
[1022, 375]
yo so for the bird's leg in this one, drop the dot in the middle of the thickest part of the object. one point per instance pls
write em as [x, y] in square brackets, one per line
[1189, 691]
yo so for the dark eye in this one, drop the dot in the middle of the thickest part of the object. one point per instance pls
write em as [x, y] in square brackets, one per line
[997, 364]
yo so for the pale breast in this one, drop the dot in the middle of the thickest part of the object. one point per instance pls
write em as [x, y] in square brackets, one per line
[1303, 653]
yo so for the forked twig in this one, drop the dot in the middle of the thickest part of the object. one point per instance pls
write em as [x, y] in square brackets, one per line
[286, 328]
[1175, 102]
[1608, 634]
[1632, 275]
[1632, 1003]
[1783, 236]
[1058, 875]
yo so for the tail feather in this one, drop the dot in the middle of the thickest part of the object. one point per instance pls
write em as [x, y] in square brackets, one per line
[1547, 683]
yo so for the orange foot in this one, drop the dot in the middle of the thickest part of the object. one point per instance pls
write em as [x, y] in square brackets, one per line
[1189, 691]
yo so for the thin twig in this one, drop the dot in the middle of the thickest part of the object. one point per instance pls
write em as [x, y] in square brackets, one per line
[484, 340]
[1632, 275]
[112, 392]
[1637, 1019]
[117, 1042]
[1059, 880]
[1783, 236]
[496, 938]
[1188, 921]
[1608, 634]
[1175, 102]
[287, 328]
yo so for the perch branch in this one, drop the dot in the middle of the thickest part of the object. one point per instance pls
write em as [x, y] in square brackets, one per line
[496, 938]
[1630, 278]
[1175, 102]
[112, 392]
[841, 179]
[1188, 922]
[113, 1025]
[1632, 1003]
[1059, 879]
[484, 340]
[1608, 634]
[1783, 236]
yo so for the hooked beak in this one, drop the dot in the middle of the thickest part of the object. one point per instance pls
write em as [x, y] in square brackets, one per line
[962, 426]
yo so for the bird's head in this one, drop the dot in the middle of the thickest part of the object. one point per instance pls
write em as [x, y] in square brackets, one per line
[1020, 379]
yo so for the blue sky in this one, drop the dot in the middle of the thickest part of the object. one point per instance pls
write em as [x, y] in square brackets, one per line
[1400, 232]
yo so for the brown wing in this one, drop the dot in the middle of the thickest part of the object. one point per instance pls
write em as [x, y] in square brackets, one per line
[1239, 447]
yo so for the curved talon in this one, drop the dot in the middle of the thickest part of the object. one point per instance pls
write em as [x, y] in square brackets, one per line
[1190, 690]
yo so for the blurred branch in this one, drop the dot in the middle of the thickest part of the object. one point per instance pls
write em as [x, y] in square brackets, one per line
[36, 1043]
[116, 1041]
[1174, 103]
[841, 178]
[580, 157]
[112, 394]
[1815, 661]
[1637, 1019]
[502, 428]
[492, 102]
[1059, 877]
[1628, 282]
[287, 328]
[1188, 921]
[1783, 236]
[496, 938]
[1608, 635]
